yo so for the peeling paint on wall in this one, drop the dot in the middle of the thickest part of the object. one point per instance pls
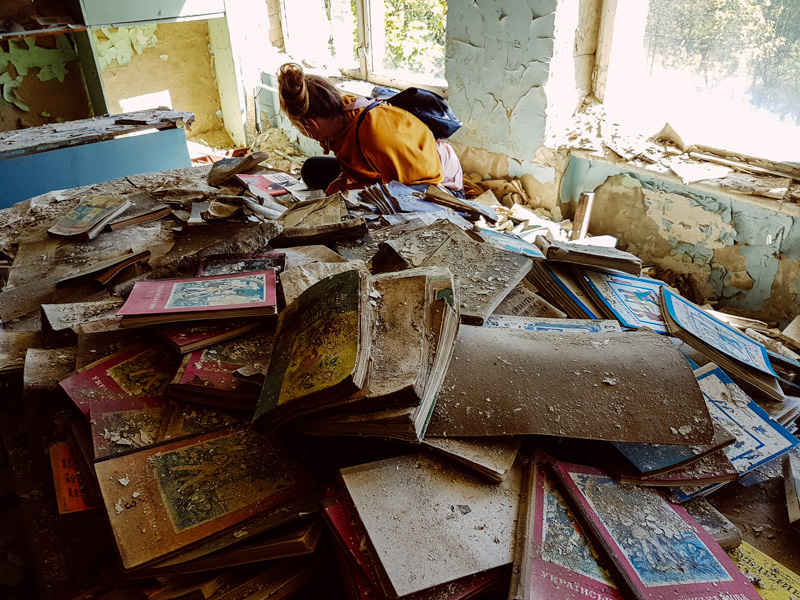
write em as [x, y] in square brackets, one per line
[26, 55]
[119, 44]
[742, 254]
[498, 55]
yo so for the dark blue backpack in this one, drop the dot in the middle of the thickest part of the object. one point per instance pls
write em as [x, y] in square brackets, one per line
[428, 107]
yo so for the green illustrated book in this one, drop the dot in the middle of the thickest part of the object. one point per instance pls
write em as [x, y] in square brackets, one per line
[321, 350]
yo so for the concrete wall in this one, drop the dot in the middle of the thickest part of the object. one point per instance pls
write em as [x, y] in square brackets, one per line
[743, 251]
[153, 59]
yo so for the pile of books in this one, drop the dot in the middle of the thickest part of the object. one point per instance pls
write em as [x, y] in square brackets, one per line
[389, 402]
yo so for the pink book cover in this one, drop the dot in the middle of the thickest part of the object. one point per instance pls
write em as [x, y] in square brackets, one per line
[341, 521]
[563, 562]
[655, 549]
[140, 370]
[195, 294]
[213, 371]
[264, 183]
[182, 335]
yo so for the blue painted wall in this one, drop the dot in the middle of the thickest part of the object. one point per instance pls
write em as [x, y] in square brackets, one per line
[26, 176]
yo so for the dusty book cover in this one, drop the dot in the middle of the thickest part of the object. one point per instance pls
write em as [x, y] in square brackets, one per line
[252, 294]
[590, 256]
[554, 558]
[188, 337]
[228, 264]
[510, 242]
[88, 215]
[61, 317]
[523, 301]
[210, 371]
[485, 274]
[477, 520]
[655, 550]
[139, 370]
[360, 564]
[516, 382]
[320, 353]
[649, 460]
[127, 425]
[163, 499]
[715, 467]
[556, 325]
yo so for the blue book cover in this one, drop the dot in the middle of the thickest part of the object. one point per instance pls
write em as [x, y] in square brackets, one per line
[563, 277]
[558, 325]
[512, 243]
[634, 301]
[718, 335]
[759, 438]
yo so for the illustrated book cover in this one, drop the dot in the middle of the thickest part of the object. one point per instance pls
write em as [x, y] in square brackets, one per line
[554, 559]
[207, 376]
[655, 550]
[634, 301]
[139, 370]
[127, 425]
[723, 344]
[215, 297]
[89, 216]
[759, 438]
[523, 301]
[772, 580]
[477, 520]
[163, 499]
[321, 349]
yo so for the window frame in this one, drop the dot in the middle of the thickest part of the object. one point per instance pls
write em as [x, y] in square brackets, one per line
[365, 25]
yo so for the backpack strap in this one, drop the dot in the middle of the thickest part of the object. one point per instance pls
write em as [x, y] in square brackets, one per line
[361, 118]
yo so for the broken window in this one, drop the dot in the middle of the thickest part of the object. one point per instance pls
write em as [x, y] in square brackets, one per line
[722, 72]
[389, 42]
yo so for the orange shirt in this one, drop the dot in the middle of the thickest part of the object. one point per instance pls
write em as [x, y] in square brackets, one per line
[395, 146]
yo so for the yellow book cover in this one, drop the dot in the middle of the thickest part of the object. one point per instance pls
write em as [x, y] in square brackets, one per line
[771, 579]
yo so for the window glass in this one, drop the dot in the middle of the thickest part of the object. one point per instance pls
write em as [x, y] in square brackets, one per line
[723, 73]
[408, 39]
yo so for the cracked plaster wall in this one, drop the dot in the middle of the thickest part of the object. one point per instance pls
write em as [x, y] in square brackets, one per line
[41, 81]
[497, 64]
[516, 72]
[744, 255]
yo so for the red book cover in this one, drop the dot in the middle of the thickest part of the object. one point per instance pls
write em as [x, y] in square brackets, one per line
[272, 184]
[341, 521]
[559, 562]
[210, 371]
[188, 337]
[67, 480]
[655, 549]
[140, 370]
[254, 290]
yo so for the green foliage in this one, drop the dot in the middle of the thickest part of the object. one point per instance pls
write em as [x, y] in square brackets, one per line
[415, 35]
[719, 39]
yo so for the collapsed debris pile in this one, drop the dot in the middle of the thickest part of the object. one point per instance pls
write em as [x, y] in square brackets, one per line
[234, 387]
